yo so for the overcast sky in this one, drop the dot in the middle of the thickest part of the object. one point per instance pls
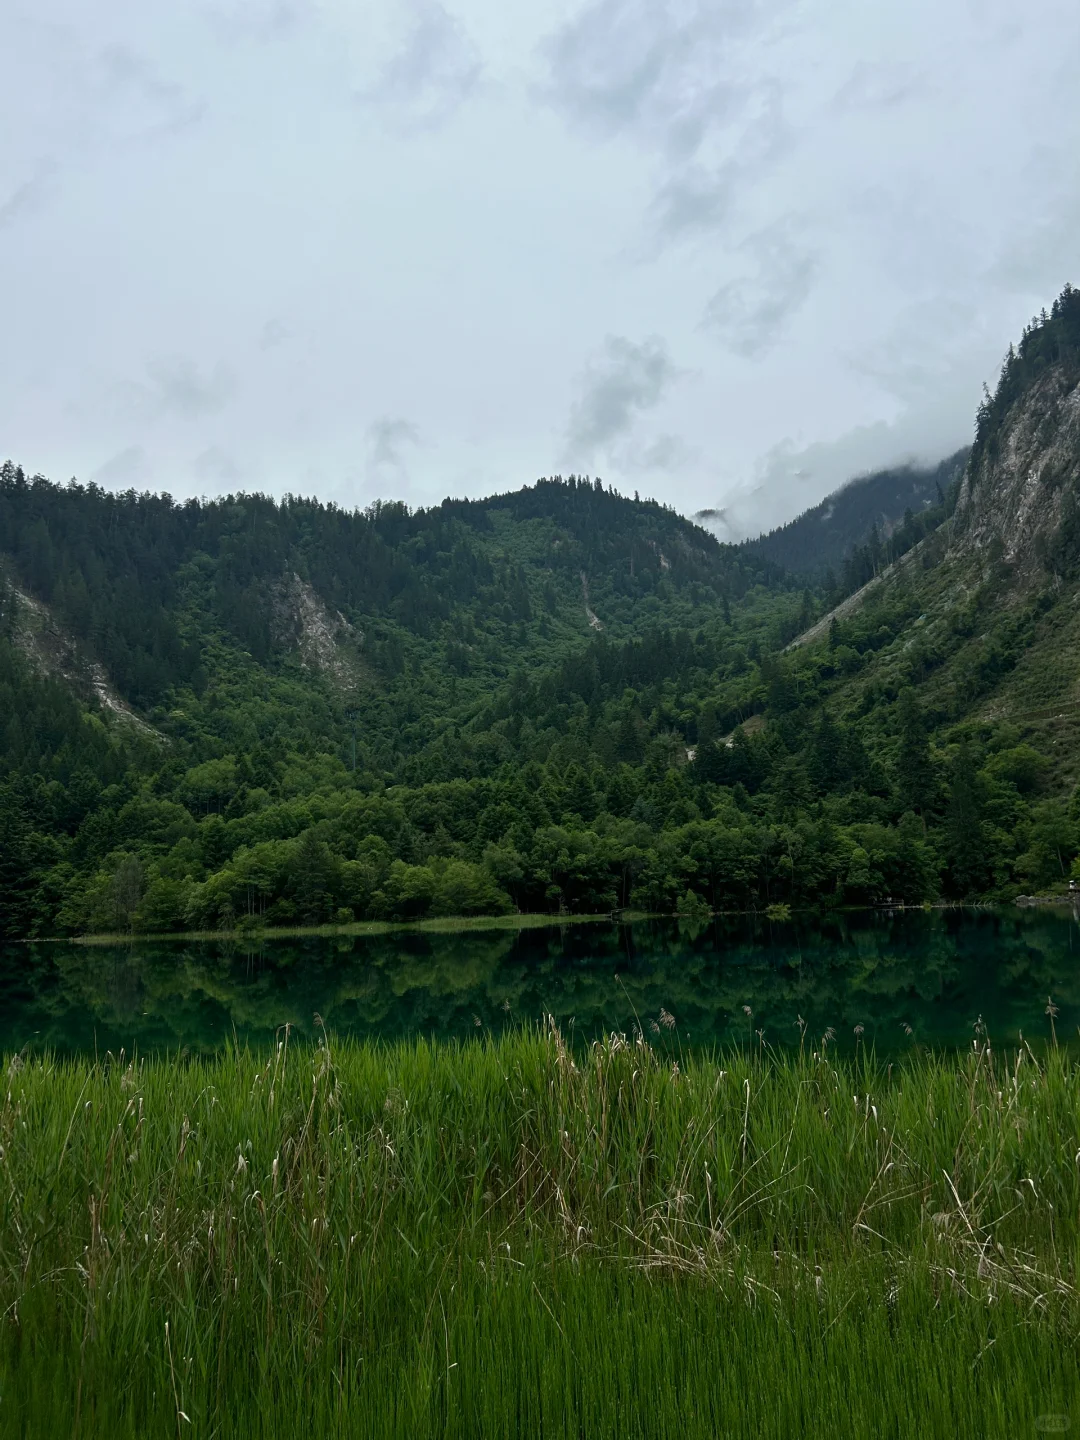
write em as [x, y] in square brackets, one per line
[726, 253]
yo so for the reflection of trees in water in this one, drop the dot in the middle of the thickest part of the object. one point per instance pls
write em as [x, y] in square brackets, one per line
[935, 972]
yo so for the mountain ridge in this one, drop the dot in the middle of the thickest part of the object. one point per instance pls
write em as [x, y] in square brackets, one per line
[492, 750]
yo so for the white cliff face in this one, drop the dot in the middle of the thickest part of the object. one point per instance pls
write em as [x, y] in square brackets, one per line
[1022, 487]
[52, 651]
[325, 640]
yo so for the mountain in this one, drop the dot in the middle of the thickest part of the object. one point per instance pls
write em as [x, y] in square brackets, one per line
[867, 510]
[220, 668]
[158, 604]
[241, 713]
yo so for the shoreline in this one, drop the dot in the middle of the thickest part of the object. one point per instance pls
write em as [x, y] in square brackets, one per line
[437, 925]
[530, 920]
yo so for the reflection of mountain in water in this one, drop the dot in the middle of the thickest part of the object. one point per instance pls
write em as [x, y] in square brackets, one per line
[935, 972]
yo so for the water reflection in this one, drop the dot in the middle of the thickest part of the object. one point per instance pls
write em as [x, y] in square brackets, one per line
[906, 978]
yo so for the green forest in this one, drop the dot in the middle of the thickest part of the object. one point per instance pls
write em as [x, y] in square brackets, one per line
[243, 713]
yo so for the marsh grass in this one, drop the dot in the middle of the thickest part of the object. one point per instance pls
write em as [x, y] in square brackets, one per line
[511, 1237]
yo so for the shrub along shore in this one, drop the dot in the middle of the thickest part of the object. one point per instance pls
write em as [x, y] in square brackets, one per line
[512, 1237]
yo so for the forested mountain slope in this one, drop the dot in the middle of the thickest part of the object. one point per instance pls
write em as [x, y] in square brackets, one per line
[270, 652]
[240, 713]
[865, 513]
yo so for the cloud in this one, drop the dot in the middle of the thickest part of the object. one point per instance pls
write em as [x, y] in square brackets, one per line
[28, 197]
[620, 383]
[388, 439]
[128, 467]
[879, 85]
[719, 524]
[694, 199]
[675, 79]
[273, 333]
[431, 74]
[253, 20]
[751, 313]
[154, 106]
[178, 387]
[216, 465]
[926, 346]
[613, 65]
[664, 454]
[791, 478]
[1046, 243]
[700, 196]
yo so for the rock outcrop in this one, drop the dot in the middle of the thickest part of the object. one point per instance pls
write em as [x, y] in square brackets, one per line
[324, 638]
[52, 651]
[1019, 494]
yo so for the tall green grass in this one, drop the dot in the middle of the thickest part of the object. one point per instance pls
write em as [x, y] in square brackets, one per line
[510, 1238]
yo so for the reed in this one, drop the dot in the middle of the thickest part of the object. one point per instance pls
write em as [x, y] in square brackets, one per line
[514, 1237]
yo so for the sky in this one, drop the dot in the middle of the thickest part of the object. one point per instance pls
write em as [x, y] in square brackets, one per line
[727, 253]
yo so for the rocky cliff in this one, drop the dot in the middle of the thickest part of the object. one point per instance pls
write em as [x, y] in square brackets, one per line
[1019, 495]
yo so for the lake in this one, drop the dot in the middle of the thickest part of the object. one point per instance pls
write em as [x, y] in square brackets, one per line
[907, 978]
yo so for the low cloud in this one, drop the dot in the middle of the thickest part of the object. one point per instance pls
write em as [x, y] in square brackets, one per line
[791, 478]
[620, 383]
[28, 197]
[153, 106]
[178, 387]
[217, 466]
[663, 455]
[256, 21]
[879, 85]
[389, 440]
[128, 467]
[751, 313]
[431, 74]
[273, 333]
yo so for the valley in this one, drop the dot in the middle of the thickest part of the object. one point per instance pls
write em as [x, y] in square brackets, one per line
[253, 714]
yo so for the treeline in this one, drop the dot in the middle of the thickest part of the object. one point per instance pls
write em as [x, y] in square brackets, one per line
[117, 569]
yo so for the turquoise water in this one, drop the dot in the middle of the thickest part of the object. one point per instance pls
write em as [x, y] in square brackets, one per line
[909, 978]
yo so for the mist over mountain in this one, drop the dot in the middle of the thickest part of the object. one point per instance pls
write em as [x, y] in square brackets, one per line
[823, 537]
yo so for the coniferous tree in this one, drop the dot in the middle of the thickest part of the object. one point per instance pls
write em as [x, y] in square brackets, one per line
[17, 871]
[916, 782]
[965, 839]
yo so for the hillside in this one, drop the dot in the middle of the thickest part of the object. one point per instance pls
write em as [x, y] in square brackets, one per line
[242, 713]
[210, 663]
[866, 512]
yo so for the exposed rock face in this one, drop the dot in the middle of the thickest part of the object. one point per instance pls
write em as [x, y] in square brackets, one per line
[325, 639]
[1023, 491]
[595, 623]
[52, 651]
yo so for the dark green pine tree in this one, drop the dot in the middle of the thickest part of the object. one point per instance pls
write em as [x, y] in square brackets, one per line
[580, 796]
[965, 837]
[629, 745]
[312, 879]
[17, 875]
[708, 728]
[825, 759]
[916, 783]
